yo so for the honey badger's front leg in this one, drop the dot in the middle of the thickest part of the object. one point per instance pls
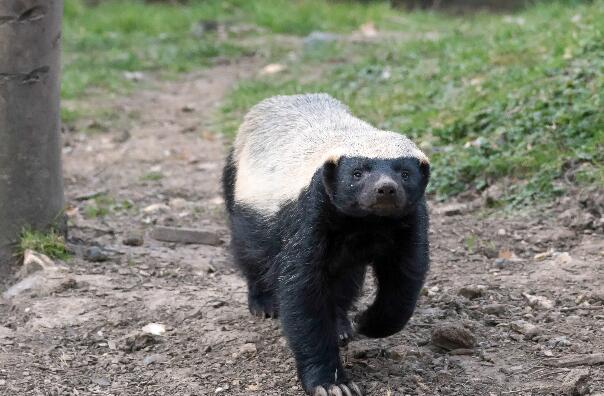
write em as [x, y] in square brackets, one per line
[308, 314]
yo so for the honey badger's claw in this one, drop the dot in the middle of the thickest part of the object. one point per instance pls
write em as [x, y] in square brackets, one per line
[320, 391]
[355, 388]
[335, 390]
[351, 389]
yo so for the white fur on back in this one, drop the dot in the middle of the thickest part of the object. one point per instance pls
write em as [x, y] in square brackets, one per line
[284, 140]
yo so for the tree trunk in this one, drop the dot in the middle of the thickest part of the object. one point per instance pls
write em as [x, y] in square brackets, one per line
[31, 181]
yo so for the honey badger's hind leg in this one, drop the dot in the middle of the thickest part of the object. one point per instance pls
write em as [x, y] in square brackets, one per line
[252, 251]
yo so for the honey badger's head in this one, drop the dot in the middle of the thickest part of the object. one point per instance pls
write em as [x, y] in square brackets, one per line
[359, 186]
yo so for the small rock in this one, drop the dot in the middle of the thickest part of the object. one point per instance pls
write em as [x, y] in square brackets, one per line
[452, 336]
[156, 208]
[501, 232]
[185, 235]
[155, 329]
[135, 341]
[133, 238]
[101, 380]
[316, 39]
[543, 255]
[502, 263]
[179, 203]
[494, 309]
[563, 258]
[188, 108]
[95, 254]
[272, 68]
[558, 342]
[34, 261]
[248, 349]
[134, 76]
[157, 358]
[451, 209]
[523, 327]
[473, 291]
[538, 301]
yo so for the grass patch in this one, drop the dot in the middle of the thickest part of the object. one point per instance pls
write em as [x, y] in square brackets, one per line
[490, 97]
[104, 42]
[103, 205]
[152, 176]
[51, 243]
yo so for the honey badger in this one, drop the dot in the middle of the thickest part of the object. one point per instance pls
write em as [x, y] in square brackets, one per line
[315, 195]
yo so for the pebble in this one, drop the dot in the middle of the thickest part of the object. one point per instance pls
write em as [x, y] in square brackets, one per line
[538, 301]
[529, 330]
[248, 349]
[494, 309]
[502, 263]
[157, 358]
[473, 291]
[95, 254]
[452, 336]
[133, 238]
[315, 39]
[451, 209]
[34, 261]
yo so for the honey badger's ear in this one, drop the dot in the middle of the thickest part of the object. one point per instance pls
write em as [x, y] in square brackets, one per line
[424, 167]
[330, 173]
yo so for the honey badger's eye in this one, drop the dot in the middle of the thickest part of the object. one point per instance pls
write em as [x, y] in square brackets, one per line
[357, 174]
[405, 175]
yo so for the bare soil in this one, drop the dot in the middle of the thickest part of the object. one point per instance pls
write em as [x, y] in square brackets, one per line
[77, 330]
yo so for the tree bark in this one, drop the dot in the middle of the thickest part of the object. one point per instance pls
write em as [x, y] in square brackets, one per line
[31, 181]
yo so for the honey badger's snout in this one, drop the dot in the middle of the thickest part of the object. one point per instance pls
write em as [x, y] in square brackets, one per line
[383, 193]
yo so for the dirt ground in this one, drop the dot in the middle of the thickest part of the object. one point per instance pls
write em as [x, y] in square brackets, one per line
[528, 288]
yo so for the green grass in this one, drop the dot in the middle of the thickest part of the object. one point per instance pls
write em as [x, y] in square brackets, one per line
[51, 244]
[489, 97]
[152, 176]
[104, 42]
[103, 205]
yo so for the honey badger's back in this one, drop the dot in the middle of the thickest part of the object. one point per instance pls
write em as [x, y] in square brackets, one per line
[285, 139]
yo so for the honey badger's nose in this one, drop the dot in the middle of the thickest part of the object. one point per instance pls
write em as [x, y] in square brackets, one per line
[385, 187]
[385, 191]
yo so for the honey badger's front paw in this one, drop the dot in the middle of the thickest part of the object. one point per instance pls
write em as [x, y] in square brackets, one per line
[350, 389]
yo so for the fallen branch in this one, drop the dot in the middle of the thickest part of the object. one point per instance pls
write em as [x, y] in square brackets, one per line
[585, 360]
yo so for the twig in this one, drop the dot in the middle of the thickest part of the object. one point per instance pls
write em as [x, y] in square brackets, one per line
[573, 361]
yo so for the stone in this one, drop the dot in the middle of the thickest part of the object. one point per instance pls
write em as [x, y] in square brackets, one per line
[473, 291]
[452, 336]
[186, 235]
[133, 238]
[317, 39]
[453, 209]
[157, 358]
[494, 309]
[95, 254]
[157, 329]
[248, 349]
[34, 261]
[529, 330]
[538, 301]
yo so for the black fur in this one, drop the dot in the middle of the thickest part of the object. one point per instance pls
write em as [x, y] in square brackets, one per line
[307, 264]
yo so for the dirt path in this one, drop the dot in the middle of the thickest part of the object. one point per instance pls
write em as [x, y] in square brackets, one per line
[76, 330]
